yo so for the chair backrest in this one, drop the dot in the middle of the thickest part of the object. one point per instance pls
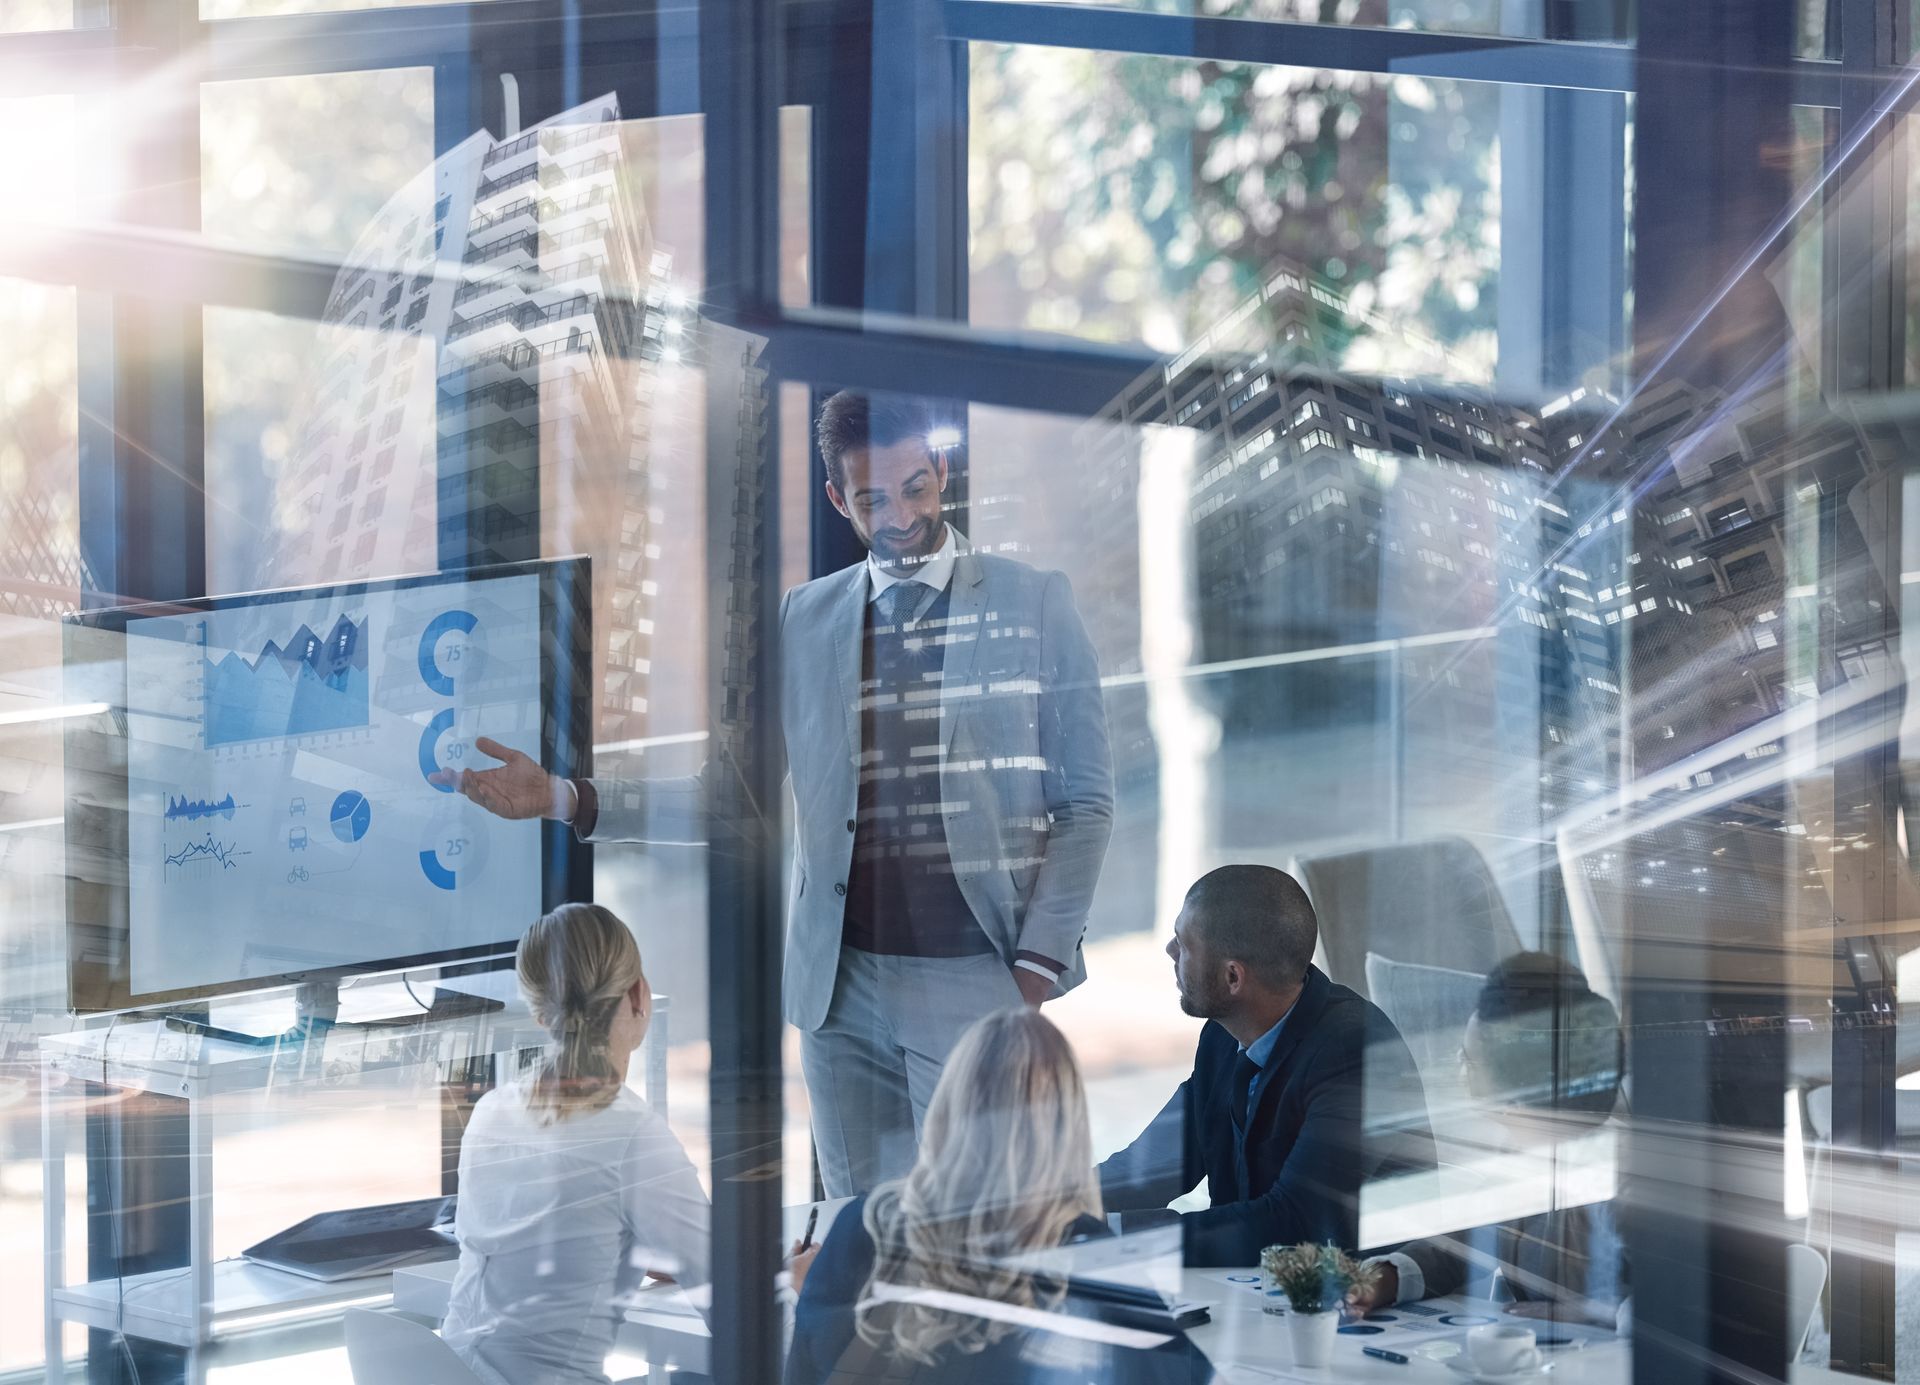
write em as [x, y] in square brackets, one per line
[1430, 1007]
[386, 1350]
[1806, 1277]
[1434, 903]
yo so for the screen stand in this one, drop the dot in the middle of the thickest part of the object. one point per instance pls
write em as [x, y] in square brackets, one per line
[316, 1005]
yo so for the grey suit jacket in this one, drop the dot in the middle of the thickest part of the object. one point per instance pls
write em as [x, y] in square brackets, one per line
[1027, 774]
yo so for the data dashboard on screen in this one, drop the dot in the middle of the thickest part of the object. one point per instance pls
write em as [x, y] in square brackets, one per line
[281, 818]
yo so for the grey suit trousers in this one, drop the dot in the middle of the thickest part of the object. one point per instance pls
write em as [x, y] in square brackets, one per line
[872, 1066]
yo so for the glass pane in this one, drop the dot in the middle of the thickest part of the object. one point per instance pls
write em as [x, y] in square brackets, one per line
[27, 16]
[267, 185]
[1123, 198]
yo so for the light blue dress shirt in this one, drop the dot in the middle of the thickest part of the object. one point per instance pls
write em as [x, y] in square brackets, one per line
[1259, 1051]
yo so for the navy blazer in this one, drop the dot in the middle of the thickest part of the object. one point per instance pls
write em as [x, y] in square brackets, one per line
[1342, 1107]
[828, 1351]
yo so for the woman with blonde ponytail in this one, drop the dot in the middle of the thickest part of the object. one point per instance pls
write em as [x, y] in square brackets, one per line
[572, 1189]
[923, 1280]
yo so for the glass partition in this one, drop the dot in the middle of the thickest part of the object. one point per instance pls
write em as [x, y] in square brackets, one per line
[1195, 692]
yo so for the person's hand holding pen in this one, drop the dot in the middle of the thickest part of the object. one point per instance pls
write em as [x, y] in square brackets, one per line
[800, 1258]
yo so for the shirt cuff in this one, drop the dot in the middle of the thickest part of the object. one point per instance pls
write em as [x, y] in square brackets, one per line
[1040, 962]
[586, 812]
[1413, 1284]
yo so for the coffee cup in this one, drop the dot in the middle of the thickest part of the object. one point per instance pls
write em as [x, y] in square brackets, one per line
[1502, 1349]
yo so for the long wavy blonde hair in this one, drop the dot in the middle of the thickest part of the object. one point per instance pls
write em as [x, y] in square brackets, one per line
[575, 967]
[1005, 1167]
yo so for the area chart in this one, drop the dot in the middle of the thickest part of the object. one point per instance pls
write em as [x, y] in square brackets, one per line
[308, 685]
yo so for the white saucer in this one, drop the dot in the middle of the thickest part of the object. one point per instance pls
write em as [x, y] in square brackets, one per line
[1459, 1365]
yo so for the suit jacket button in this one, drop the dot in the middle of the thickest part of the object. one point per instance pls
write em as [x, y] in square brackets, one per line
[850, 826]
[840, 889]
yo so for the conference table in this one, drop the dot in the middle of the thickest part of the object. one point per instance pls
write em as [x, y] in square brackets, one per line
[1246, 1344]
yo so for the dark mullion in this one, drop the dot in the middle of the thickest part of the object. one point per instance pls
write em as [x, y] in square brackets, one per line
[143, 537]
[1865, 268]
[740, 71]
[534, 32]
[1010, 372]
[1704, 1227]
[76, 61]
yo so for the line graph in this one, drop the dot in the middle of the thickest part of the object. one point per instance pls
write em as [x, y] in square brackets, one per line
[193, 809]
[210, 850]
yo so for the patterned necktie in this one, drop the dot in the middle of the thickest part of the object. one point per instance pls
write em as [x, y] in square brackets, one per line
[897, 603]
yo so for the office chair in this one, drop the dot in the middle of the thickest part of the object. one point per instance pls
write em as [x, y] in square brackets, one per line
[383, 1349]
[1433, 903]
[1806, 1277]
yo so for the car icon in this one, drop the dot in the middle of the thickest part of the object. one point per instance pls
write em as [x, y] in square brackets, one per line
[297, 808]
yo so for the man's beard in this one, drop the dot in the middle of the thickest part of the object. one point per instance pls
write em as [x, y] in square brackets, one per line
[916, 550]
[1202, 1003]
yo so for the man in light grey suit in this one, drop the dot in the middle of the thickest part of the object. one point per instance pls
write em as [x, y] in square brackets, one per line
[953, 787]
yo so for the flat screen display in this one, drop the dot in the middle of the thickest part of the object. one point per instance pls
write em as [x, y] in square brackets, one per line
[280, 819]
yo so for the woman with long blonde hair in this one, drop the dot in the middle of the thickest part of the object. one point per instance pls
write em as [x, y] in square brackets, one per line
[571, 1187]
[922, 1280]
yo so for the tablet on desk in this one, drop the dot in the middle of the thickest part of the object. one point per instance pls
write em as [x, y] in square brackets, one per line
[362, 1240]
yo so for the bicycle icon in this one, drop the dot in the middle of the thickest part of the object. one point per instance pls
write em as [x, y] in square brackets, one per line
[297, 876]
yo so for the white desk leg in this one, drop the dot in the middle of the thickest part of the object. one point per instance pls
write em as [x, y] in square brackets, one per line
[200, 1208]
[53, 1191]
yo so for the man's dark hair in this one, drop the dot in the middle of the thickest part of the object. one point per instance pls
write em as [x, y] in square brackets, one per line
[1548, 1038]
[1259, 917]
[851, 421]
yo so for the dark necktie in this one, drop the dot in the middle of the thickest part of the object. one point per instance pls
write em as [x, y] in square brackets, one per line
[1244, 1071]
[897, 603]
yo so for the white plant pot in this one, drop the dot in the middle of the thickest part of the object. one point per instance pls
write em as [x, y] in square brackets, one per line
[1312, 1337]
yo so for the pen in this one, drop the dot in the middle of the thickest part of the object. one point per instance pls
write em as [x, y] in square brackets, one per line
[1383, 1354]
[813, 1220]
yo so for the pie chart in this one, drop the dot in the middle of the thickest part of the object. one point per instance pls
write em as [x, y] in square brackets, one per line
[351, 816]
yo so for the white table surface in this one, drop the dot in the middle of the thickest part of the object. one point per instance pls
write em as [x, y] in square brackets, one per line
[1247, 1345]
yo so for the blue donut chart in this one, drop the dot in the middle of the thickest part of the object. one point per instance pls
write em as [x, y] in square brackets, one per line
[437, 874]
[430, 742]
[453, 849]
[431, 673]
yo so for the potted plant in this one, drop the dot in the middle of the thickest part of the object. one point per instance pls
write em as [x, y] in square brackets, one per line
[1315, 1281]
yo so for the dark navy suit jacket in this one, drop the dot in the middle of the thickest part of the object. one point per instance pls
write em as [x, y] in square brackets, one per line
[1343, 1106]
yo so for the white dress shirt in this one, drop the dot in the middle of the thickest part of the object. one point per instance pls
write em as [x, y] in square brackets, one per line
[557, 1224]
[935, 572]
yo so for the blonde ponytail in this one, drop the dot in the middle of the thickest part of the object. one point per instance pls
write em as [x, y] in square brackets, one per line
[575, 967]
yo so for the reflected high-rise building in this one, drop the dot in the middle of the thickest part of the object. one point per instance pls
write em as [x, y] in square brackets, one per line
[1692, 558]
[1363, 552]
[491, 388]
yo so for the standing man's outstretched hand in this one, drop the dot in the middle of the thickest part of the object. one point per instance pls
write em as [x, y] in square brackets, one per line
[518, 788]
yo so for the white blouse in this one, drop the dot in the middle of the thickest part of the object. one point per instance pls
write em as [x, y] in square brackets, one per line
[558, 1224]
